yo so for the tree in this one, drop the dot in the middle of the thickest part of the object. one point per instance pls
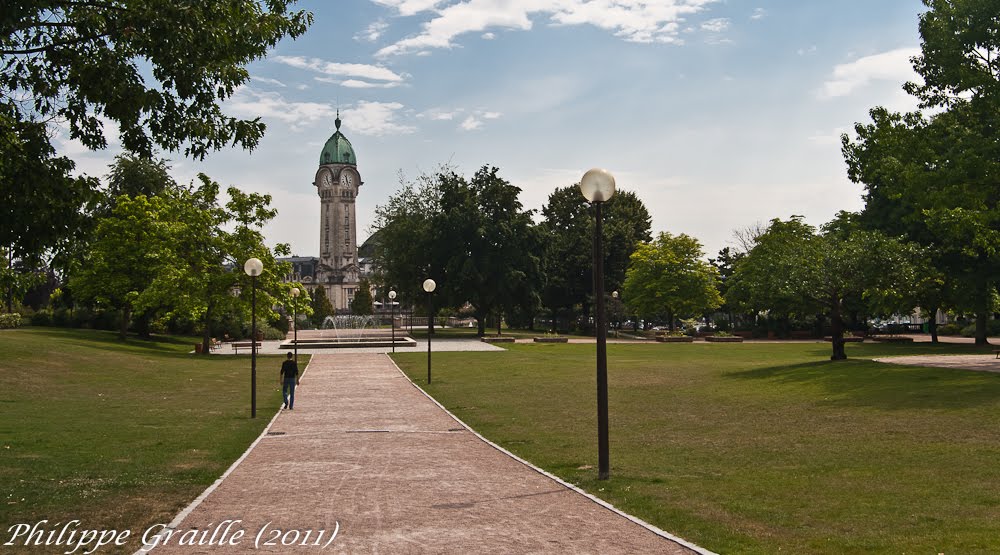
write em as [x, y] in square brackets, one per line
[321, 307]
[158, 69]
[725, 265]
[473, 237]
[42, 208]
[792, 269]
[129, 249]
[568, 231]
[668, 276]
[361, 304]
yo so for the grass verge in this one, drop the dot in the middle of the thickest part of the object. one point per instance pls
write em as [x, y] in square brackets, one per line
[754, 448]
[120, 435]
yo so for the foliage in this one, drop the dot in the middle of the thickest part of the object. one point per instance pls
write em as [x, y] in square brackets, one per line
[668, 276]
[567, 229]
[361, 304]
[320, 306]
[471, 236]
[158, 69]
[42, 207]
[10, 320]
[795, 270]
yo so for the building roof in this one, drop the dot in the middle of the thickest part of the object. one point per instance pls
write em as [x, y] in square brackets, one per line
[338, 149]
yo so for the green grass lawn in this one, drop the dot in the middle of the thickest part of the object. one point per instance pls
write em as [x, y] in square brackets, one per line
[119, 435]
[754, 448]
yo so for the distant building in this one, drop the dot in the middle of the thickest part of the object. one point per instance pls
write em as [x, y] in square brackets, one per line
[337, 269]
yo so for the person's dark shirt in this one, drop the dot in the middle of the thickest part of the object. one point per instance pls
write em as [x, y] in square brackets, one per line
[289, 370]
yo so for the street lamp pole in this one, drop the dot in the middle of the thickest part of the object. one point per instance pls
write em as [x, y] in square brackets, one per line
[429, 287]
[392, 317]
[295, 321]
[253, 267]
[598, 186]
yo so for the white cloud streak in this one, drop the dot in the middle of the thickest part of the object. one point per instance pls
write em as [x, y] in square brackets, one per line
[375, 118]
[335, 69]
[640, 21]
[892, 66]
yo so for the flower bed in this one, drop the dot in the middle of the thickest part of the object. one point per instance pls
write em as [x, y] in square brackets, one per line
[726, 339]
[674, 339]
[497, 339]
[551, 340]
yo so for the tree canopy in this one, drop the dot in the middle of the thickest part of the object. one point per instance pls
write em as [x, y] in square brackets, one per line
[668, 276]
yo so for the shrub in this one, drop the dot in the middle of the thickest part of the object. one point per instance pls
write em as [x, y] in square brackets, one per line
[42, 318]
[11, 320]
[949, 329]
[722, 333]
[271, 333]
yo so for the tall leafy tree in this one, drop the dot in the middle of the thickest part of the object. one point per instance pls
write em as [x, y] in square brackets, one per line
[668, 276]
[793, 269]
[567, 229]
[158, 69]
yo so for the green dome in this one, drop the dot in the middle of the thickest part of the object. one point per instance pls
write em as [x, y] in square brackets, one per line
[338, 149]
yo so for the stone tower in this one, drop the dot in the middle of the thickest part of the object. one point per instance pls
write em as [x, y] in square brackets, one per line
[338, 182]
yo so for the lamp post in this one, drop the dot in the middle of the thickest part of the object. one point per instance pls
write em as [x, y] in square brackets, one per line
[429, 286]
[598, 186]
[295, 321]
[392, 317]
[253, 268]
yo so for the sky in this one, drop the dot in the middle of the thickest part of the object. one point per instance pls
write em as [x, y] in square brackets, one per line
[718, 114]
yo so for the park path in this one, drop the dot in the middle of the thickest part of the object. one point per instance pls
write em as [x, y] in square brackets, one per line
[366, 450]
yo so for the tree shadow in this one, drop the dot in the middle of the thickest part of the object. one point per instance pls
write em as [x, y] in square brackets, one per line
[865, 383]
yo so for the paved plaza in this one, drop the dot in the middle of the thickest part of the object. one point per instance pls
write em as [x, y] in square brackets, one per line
[367, 454]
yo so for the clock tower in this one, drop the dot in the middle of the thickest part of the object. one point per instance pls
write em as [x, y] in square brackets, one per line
[338, 182]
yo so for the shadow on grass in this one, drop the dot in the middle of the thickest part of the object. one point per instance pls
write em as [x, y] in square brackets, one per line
[109, 340]
[865, 383]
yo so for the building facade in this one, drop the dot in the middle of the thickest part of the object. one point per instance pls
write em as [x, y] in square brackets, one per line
[337, 269]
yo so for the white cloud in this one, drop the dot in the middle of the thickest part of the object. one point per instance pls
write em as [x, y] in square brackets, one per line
[758, 14]
[271, 105]
[471, 123]
[891, 66]
[376, 118]
[363, 71]
[805, 51]
[437, 114]
[716, 25]
[489, 36]
[633, 20]
[372, 32]
[491, 115]
[356, 83]
[410, 7]
[267, 80]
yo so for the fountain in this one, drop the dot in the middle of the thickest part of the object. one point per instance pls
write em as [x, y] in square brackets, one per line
[348, 330]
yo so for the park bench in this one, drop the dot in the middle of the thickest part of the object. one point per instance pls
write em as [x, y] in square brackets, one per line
[237, 345]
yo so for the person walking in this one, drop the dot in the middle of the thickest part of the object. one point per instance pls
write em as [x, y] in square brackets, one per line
[289, 379]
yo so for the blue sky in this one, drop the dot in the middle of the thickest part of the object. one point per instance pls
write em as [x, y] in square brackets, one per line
[718, 114]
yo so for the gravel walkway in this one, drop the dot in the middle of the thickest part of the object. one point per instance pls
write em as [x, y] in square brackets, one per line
[369, 455]
[981, 363]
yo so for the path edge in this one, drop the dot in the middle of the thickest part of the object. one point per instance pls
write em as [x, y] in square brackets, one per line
[659, 532]
[179, 518]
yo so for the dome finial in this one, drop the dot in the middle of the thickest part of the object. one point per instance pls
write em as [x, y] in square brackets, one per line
[337, 121]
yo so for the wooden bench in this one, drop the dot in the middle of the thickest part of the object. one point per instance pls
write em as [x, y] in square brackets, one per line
[244, 345]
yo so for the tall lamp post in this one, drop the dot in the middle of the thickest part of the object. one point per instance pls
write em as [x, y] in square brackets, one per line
[429, 287]
[253, 268]
[392, 317]
[295, 321]
[598, 186]
[618, 317]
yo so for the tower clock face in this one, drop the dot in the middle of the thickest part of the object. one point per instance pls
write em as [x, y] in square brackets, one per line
[347, 179]
[327, 179]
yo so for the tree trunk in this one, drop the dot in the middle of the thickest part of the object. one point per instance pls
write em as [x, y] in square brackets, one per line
[981, 317]
[206, 331]
[123, 327]
[480, 324]
[499, 321]
[932, 324]
[837, 333]
[670, 317]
